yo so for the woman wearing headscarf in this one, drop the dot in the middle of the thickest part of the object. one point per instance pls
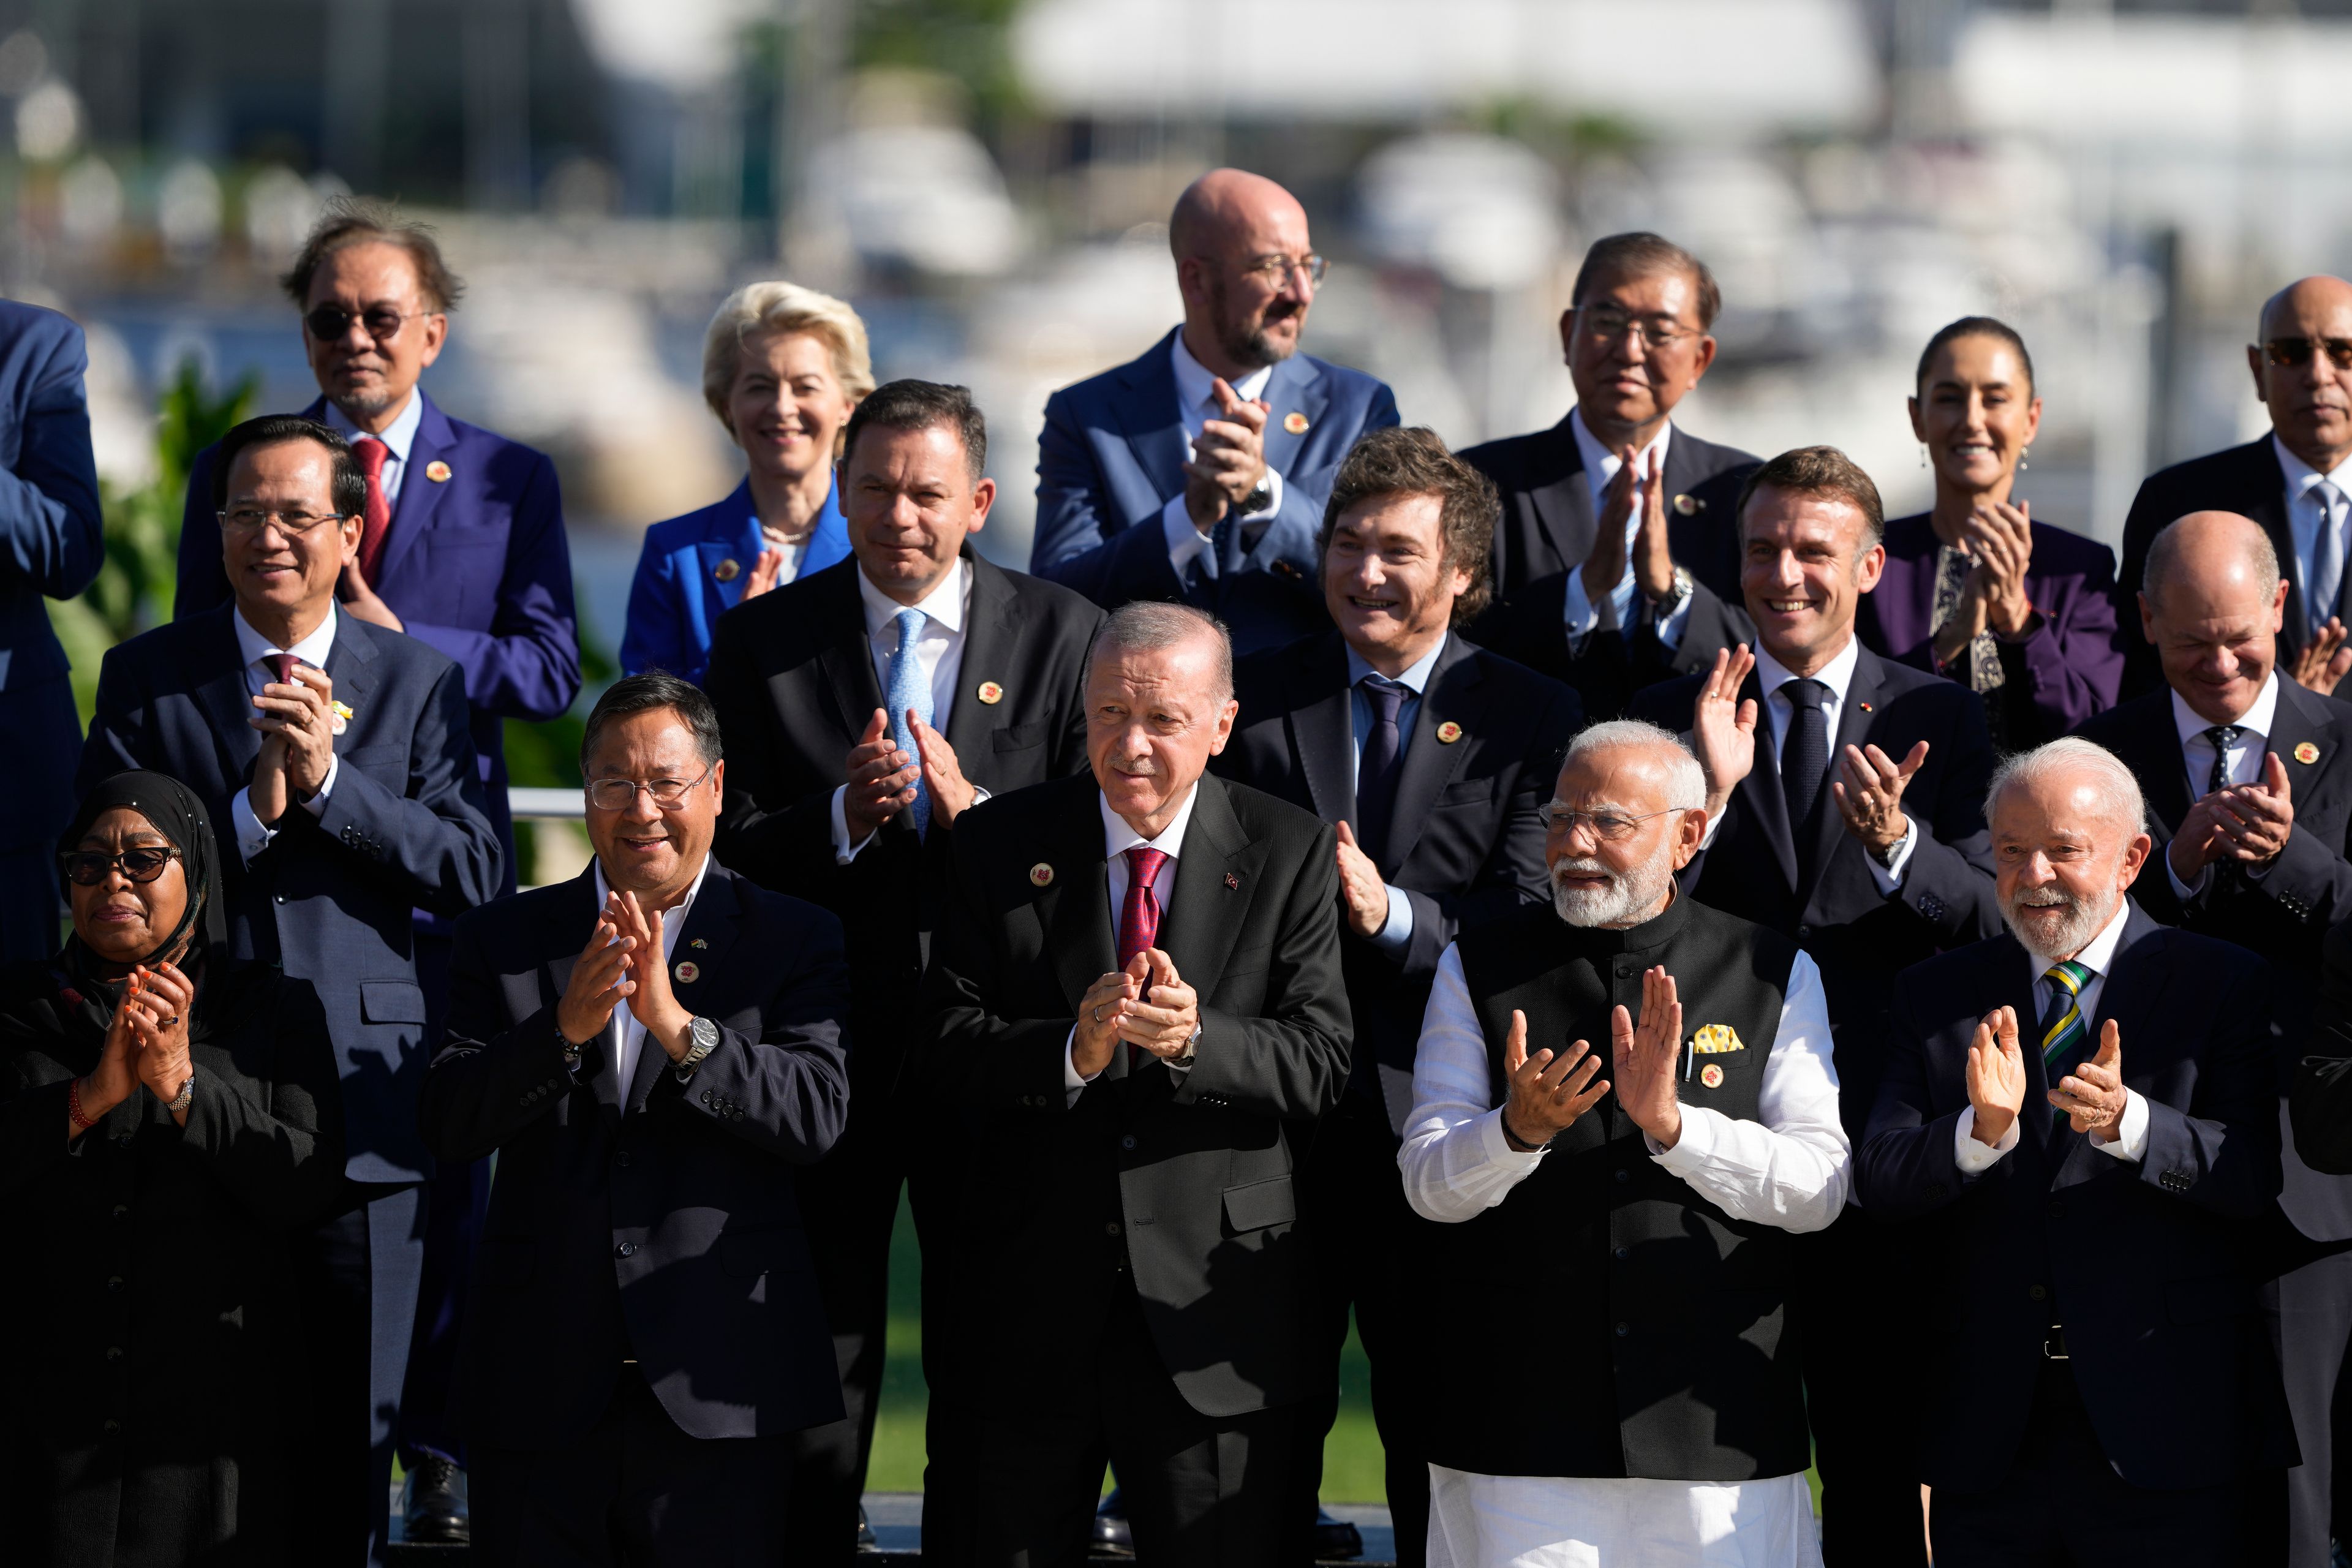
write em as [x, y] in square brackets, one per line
[167, 1117]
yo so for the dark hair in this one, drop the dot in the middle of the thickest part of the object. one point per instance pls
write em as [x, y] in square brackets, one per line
[642, 694]
[1639, 255]
[1974, 327]
[920, 406]
[1410, 460]
[346, 487]
[1820, 471]
[357, 220]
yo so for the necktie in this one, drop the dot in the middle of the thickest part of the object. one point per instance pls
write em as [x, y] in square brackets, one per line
[2327, 559]
[909, 690]
[2223, 737]
[1805, 754]
[377, 515]
[1376, 772]
[281, 667]
[2063, 1028]
[1139, 915]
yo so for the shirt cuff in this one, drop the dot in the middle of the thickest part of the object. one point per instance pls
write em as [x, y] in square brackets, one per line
[2131, 1137]
[316, 805]
[2180, 888]
[1185, 542]
[1073, 1084]
[1274, 505]
[1396, 934]
[1714, 822]
[1497, 1148]
[252, 837]
[843, 851]
[1691, 1150]
[1670, 629]
[1974, 1157]
[1889, 877]
[1577, 613]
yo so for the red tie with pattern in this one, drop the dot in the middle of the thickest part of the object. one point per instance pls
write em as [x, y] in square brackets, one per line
[281, 667]
[377, 517]
[1138, 918]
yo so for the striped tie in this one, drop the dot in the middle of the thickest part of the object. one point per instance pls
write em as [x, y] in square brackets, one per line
[2063, 1028]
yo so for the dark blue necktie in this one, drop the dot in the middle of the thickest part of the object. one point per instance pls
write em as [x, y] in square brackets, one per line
[1376, 772]
[1805, 754]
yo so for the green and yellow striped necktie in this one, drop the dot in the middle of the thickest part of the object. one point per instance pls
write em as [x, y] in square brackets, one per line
[2063, 1027]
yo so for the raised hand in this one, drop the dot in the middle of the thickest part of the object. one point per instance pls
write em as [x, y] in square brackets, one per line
[764, 573]
[1363, 896]
[299, 716]
[1604, 568]
[1869, 795]
[1546, 1094]
[159, 1011]
[881, 779]
[651, 1001]
[2092, 1096]
[1723, 726]
[111, 1081]
[1996, 1076]
[951, 792]
[1228, 460]
[1646, 1056]
[1162, 1020]
[2259, 818]
[2324, 660]
[1653, 554]
[600, 981]
[2000, 537]
[1100, 1012]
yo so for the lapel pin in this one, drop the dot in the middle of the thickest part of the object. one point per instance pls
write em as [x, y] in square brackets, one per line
[437, 471]
[1687, 505]
[1864, 706]
[1295, 422]
[687, 973]
[726, 571]
[990, 693]
[699, 944]
[1282, 568]
[1232, 881]
[2307, 753]
[1041, 875]
[1711, 1076]
[1448, 732]
[342, 719]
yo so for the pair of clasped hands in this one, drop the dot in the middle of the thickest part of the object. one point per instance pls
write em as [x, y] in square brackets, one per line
[623, 962]
[2092, 1096]
[147, 1043]
[2247, 823]
[1549, 1090]
[1147, 1004]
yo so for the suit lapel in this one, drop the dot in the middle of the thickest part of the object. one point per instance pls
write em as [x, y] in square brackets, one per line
[712, 920]
[1295, 388]
[845, 654]
[228, 701]
[1322, 728]
[1855, 715]
[2133, 994]
[1149, 418]
[1455, 692]
[1687, 471]
[2265, 490]
[2294, 723]
[1760, 794]
[2151, 749]
[570, 919]
[991, 637]
[419, 493]
[1217, 876]
[350, 664]
[1564, 506]
[1074, 909]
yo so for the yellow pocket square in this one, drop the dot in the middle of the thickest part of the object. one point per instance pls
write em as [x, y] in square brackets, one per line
[1713, 1038]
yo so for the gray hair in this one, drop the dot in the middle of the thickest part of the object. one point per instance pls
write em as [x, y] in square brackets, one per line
[2120, 792]
[1149, 626]
[2164, 556]
[1685, 781]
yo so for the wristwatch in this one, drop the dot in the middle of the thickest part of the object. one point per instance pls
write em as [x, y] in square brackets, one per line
[1192, 1047]
[704, 1034]
[186, 1097]
[1259, 499]
[1663, 610]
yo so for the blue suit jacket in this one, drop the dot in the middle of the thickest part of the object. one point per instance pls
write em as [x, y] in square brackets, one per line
[475, 566]
[2146, 1266]
[1112, 455]
[51, 543]
[677, 597]
[331, 899]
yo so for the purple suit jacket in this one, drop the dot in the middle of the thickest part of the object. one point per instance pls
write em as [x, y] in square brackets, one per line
[2072, 663]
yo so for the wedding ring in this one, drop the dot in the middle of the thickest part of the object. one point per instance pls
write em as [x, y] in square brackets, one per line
[170, 1023]
[1098, 1014]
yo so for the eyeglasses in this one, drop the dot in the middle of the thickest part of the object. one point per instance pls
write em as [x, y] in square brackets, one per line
[1607, 323]
[293, 524]
[328, 323]
[91, 867]
[1610, 827]
[1273, 272]
[619, 794]
[2294, 354]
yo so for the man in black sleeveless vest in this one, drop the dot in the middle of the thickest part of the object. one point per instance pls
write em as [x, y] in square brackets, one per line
[1608, 1369]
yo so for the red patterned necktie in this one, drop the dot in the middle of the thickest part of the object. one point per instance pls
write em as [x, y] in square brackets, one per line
[377, 517]
[1139, 917]
[281, 667]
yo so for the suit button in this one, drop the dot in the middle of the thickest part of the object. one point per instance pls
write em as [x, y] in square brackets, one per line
[114, 1283]
[114, 1352]
[281, 898]
[706, 1096]
[1111, 1229]
[1804, 934]
[1622, 1253]
[627, 1249]
[622, 1159]
[1623, 1330]
[123, 1211]
[112, 1427]
[2036, 1293]
[1624, 1175]
[1128, 1141]
[2057, 1209]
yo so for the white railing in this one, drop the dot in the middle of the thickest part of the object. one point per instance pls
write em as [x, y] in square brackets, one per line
[546, 805]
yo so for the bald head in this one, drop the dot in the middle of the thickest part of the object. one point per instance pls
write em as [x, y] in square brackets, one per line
[1226, 204]
[2297, 373]
[1240, 243]
[2211, 603]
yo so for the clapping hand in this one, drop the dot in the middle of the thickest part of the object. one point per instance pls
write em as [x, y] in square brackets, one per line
[765, 570]
[1100, 1012]
[651, 1001]
[1604, 565]
[1228, 460]
[1162, 1019]
[158, 1004]
[1546, 1092]
[2000, 538]
[881, 779]
[1723, 726]
[600, 981]
[2092, 1096]
[1996, 1076]
[297, 721]
[2323, 661]
[1363, 896]
[1869, 795]
[1646, 1056]
[2250, 823]
[951, 792]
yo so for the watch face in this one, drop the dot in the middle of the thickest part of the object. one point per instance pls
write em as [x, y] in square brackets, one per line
[705, 1035]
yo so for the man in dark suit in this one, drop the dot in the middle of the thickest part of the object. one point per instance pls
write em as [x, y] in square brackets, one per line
[2079, 1114]
[51, 544]
[1616, 563]
[867, 707]
[1198, 472]
[1433, 759]
[651, 1049]
[1127, 1083]
[462, 547]
[2249, 784]
[335, 762]
[2295, 481]
[1852, 821]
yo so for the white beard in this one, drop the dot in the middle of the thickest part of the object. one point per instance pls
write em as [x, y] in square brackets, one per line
[2071, 933]
[1617, 903]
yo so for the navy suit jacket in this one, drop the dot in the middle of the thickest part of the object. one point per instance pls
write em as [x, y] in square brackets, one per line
[2145, 1266]
[51, 543]
[1112, 455]
[332, 899]
[683, 585]
[476, 565]
[2066, 670]
[654, 1220]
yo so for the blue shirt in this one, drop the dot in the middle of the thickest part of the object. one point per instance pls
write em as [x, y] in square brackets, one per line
[1392, 937]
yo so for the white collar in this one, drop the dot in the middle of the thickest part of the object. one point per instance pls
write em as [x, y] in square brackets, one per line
[674, 920]
[943, 605]
[2257, 720]
[1118, 837]
[397, 437]
[2301, 476]
[312, 650]
[1194, 379]
[1415, 676]
[2099, 954]
[1601, 463]
[1837, 675]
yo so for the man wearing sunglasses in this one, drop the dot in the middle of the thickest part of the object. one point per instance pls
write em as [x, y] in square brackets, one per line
[1199, 471]
[2295, 480]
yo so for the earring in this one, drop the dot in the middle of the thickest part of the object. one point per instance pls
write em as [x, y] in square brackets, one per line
[1923, 454]
[2022, 454]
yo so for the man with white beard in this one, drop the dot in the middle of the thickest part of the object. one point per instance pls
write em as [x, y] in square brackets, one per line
[2085, 1108]
[1634, 1226]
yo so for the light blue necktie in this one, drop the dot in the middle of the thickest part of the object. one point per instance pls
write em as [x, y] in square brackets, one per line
[909, 690]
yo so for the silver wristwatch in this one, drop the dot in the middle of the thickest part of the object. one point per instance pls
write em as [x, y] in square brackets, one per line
[1192, 1047]
[1663, 610]
[185, 1098]
[1258, 500]
[704, 1034]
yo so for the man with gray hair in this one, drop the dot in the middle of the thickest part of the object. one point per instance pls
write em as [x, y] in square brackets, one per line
[1644, 1217]
[2084, 1108]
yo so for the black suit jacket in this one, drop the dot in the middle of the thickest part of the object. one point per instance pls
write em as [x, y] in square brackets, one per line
[654, 1219]
[331, 901]
[1547, 531]
[1182, 1177]
[2285, 913]
[2146, 1266]
[2321, 1103]
[1464, 843]
[792, 673]
[1859, 936]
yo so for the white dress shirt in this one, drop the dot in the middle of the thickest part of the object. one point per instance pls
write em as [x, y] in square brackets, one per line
[938, 654]
[2244, 764]
[1396, 932]
[1118, 839]
[1971, 1154]
[627, 1036]
[1196, 402]
[2307, 515]
[252, 837]
[1780, 713]
[397, 439]
[1581, 617]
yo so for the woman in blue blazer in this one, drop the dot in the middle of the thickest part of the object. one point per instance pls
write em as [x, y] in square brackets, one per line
[783, 366]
